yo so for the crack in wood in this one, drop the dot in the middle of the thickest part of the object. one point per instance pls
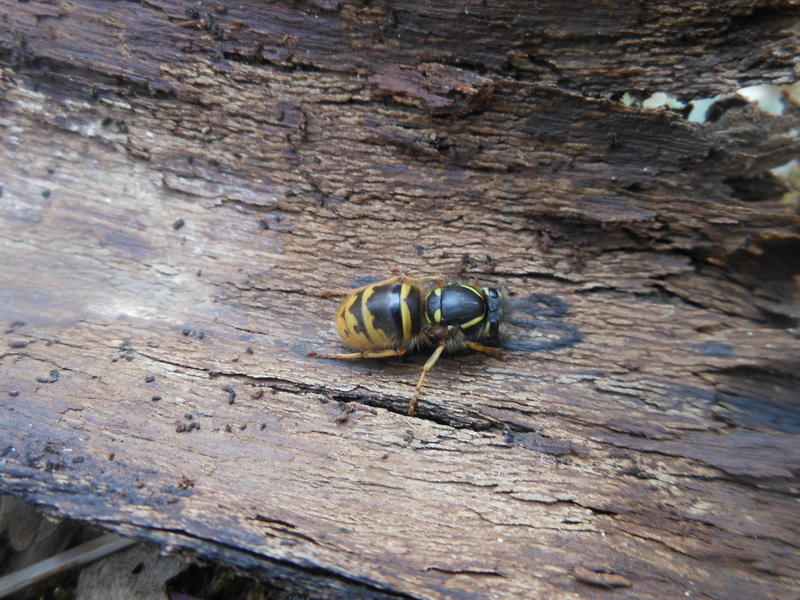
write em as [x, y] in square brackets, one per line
[469, 571]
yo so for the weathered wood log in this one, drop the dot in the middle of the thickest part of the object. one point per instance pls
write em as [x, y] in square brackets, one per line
[181, 183]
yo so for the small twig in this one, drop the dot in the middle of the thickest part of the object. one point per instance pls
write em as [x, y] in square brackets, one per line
[74, 557]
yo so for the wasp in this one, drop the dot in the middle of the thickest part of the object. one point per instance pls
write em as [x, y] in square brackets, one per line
[403, 314]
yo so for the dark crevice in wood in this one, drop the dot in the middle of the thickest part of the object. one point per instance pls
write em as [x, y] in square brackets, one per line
[762, 486]
[762, 373]
[763, 187]
[50, 75]
[286, 66]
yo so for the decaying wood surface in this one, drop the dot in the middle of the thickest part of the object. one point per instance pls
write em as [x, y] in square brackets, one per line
[181, 182]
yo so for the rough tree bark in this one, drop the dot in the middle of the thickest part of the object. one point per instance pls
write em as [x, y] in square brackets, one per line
[181, 182]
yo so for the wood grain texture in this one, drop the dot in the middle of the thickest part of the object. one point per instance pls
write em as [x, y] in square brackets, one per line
[181, 183]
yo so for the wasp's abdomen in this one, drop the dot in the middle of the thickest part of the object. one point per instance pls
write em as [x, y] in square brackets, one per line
[380, 315]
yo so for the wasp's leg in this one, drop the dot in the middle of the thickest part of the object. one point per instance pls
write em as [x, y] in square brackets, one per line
[399, 273]
[425, 284]
[412, 406]
[401, 276]
[364, 354]
[486, 349]
[334, 293]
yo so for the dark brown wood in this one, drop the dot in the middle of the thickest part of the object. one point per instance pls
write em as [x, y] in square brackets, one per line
[182, 183]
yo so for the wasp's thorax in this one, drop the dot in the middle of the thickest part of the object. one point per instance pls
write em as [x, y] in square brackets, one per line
[478, 314]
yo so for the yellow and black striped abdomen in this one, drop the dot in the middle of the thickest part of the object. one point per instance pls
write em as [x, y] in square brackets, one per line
[380, 315]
